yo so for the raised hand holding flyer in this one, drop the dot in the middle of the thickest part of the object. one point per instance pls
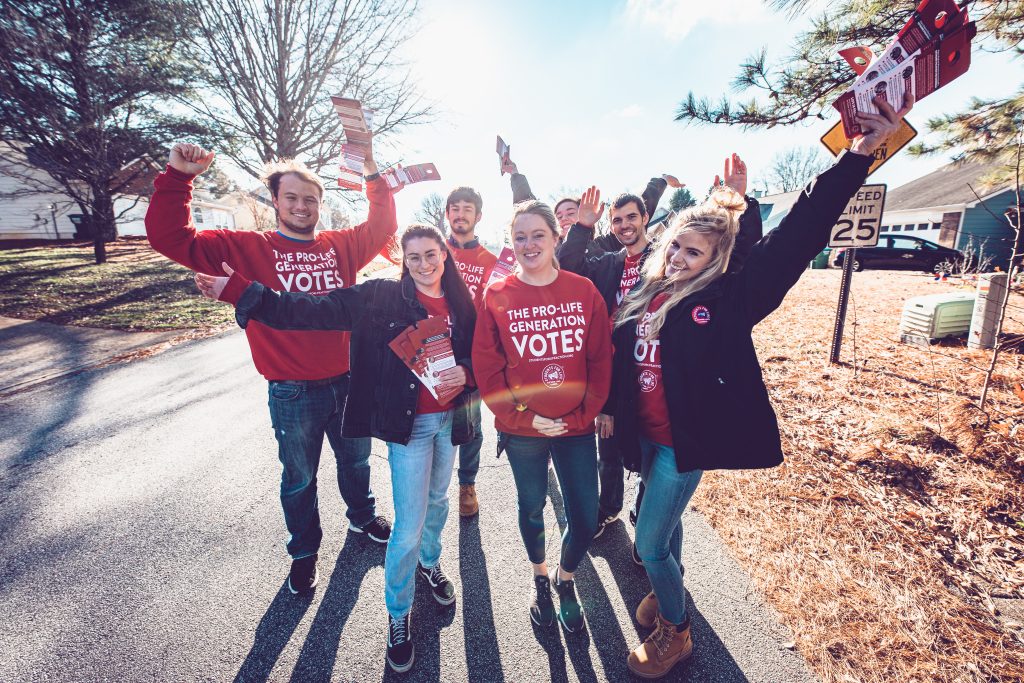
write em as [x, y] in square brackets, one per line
[504, 150]
[357, 124]
[504, 267]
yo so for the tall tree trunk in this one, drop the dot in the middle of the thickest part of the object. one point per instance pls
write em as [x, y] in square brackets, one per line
[104, 227]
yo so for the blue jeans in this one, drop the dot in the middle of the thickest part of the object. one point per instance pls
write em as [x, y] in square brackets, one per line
[469, 453]
[610, 473]
[301, 415]
[420, 474]
[659, 526]
[575, 461]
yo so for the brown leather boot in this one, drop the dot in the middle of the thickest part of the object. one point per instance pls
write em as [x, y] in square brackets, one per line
[665, 647]
[647, 610]
[468, 504]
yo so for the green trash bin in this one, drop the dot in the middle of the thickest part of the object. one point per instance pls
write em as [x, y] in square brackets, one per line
[820, 261]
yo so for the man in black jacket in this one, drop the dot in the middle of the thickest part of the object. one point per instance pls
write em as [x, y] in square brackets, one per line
[614, 273]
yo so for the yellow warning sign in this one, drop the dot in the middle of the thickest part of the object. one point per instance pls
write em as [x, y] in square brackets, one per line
[836, 141]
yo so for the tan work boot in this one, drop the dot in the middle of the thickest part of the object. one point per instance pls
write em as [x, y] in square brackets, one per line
[468, 504]
[661, 651]
[647, 610]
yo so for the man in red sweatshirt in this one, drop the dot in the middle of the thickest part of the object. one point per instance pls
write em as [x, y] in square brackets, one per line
[463, 211]
[307, 371]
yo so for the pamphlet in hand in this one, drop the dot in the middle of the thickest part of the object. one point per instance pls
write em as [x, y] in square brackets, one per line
[357, 123]
[932, 49]
[504, 150]
[426, 349]
[504, 267]
[399, 176]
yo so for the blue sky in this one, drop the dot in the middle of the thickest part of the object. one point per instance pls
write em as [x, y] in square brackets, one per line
[587, 92]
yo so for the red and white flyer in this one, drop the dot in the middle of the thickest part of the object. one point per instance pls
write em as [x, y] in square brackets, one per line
[426, 349]
[357, 124]
[505, 266]
[504, 150]
[932, 49]
[399, 176]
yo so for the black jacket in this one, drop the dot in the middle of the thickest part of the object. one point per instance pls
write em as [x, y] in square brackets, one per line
[718, 406]
[383, 391]
[604, 268]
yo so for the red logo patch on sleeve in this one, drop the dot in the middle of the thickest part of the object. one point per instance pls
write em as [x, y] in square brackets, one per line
[701, 315]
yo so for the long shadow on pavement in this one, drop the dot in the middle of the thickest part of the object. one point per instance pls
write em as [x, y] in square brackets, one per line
[483, 659]
[273, 633]
[320, 649]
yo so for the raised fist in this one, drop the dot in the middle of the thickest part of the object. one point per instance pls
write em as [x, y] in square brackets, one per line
[190, 159]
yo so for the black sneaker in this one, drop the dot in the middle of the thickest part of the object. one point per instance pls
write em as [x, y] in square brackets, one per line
[603, 524]
[440, 586]
[542, 609]
[303, 575]
[569, 611]
[636, 557]
[400, 650]
[632, 517]
[378, 529]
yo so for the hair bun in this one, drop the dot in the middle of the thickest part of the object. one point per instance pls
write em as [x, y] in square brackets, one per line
[728, 199]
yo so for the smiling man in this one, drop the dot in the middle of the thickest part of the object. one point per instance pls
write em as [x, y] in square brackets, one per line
[307, 371]
[464, 209]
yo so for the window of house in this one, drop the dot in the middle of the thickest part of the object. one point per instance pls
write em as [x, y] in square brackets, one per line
[884, 228]
[936, 226]
[922, 226]
[197, 214]
[897, 228]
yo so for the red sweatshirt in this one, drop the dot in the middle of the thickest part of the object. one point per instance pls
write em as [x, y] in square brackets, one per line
[475, 266]
[545, 349]
[330, 261]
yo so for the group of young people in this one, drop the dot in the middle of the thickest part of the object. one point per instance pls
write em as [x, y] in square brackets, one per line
[647, 345]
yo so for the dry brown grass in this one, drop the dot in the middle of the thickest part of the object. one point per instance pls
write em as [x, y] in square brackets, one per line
[898, 517]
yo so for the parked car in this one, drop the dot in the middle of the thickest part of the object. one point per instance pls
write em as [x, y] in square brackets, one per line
[902, 252]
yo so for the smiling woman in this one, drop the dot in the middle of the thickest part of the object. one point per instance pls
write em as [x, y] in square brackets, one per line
[421, 432]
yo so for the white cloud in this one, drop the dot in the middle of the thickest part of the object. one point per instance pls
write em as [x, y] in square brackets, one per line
[676, 19]
[629, 112]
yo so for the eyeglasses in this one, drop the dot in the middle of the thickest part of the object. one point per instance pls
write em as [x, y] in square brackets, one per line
[432, 258]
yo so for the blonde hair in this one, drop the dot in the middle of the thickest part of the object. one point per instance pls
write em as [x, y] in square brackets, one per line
[536, 207]
[274, 171]
[718, 220]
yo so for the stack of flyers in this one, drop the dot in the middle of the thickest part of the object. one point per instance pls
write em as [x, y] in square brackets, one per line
[503, 154]
[504, 267]
[932, 49]
[426, 349]
[399, 176]
[357, 123]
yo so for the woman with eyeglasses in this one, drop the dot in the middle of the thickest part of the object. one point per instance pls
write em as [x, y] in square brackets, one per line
[543, 360]
[390, 403]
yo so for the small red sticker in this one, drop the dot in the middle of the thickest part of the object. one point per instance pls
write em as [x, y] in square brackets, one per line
[701, 315]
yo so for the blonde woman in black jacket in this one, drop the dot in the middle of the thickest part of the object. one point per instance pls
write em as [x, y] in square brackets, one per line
[687, 390]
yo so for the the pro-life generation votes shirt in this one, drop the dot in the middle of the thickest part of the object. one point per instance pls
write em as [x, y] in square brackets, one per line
[652, 406]
[329, 261]
[475, 264]
[630, 276]
[543, 351]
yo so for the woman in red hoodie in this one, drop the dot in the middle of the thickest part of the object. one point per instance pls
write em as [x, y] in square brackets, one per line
[542, 359]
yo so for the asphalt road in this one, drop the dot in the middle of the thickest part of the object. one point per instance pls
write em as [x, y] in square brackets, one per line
[142, 540]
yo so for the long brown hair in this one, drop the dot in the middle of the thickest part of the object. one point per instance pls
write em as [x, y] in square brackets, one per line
[455, 291]
[718, 220]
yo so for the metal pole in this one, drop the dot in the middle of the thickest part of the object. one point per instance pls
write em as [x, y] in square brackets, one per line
[53, 214]
[849, 256]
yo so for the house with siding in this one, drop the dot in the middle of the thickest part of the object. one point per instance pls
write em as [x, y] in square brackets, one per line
[37, 208]
[941, 207]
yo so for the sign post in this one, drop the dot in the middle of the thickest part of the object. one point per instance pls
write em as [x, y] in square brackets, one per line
[857, 227]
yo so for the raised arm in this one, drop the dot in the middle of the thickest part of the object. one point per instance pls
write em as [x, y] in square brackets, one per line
[169, 225]
[778, 260]
[363, 242]
[573, 255]
[521, 191]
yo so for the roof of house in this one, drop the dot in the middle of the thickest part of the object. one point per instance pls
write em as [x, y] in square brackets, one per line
[945, 186]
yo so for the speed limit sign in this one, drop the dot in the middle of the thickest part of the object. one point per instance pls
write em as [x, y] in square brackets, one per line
[859, 224]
